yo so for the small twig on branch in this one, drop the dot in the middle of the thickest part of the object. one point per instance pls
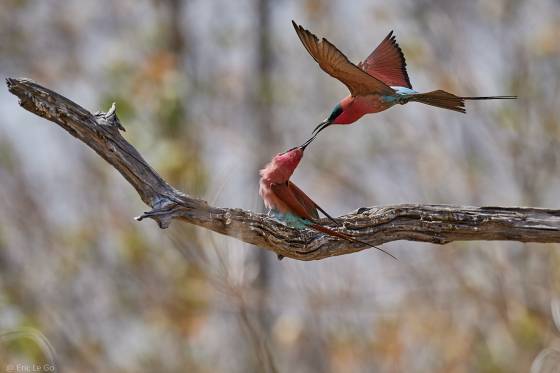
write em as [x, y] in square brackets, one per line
[427, 223]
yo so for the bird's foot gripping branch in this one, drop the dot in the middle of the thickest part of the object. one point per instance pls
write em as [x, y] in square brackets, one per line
[427, 223]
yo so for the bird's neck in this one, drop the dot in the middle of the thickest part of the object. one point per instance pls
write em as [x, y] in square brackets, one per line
[353, 108]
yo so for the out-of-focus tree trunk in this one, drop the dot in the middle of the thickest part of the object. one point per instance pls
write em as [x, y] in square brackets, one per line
[263, 114]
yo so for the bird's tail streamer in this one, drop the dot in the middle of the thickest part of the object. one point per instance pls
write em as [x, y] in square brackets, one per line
[446, 100]
[346, 237]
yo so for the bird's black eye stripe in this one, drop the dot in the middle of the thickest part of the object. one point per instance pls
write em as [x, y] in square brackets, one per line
[335, 113]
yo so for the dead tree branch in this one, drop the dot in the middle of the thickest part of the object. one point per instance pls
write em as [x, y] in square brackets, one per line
[377, 225]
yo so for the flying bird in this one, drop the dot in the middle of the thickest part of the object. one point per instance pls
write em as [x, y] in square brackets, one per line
[289, 202]
[375, 84]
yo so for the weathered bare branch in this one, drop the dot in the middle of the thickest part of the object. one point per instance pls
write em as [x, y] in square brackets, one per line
[427, 223]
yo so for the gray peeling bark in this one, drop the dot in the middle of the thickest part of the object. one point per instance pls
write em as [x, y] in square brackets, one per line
[377, 225]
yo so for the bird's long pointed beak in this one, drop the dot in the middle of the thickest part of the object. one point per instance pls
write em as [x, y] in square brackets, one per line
[324, 124]
[304, 145]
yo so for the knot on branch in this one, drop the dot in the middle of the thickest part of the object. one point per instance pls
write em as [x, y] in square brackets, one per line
[17, 87]
[162, 214]
[110, 118]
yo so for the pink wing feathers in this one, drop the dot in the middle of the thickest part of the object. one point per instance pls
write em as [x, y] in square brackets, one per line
[387, 63]
[308, 203]
[336, 64]
[304, 200]
[286, 194]
[298, 202]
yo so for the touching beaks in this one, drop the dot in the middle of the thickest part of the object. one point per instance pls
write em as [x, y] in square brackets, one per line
[324, 124]
[304, 145]
[309, 141]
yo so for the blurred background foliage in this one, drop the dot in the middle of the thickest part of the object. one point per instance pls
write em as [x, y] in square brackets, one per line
[208, 91]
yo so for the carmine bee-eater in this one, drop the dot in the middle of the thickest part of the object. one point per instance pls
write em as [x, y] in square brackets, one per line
[375, 84]
[289, 202]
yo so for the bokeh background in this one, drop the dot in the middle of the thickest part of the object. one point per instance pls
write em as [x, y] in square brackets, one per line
[209, 91]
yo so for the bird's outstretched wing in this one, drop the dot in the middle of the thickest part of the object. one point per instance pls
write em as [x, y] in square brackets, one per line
[387, 63]
[335, 63]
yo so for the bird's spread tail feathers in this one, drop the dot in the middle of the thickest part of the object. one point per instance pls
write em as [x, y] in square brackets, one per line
[346, 237]
[449, 101]
[440, 99]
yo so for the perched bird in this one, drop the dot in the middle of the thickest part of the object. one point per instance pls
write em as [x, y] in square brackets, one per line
[289, 202]
[375, 84]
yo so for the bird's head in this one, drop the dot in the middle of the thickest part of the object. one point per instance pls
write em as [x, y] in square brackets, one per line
[290, 159]
[283, 165]
[347, 111]
[333, 118]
